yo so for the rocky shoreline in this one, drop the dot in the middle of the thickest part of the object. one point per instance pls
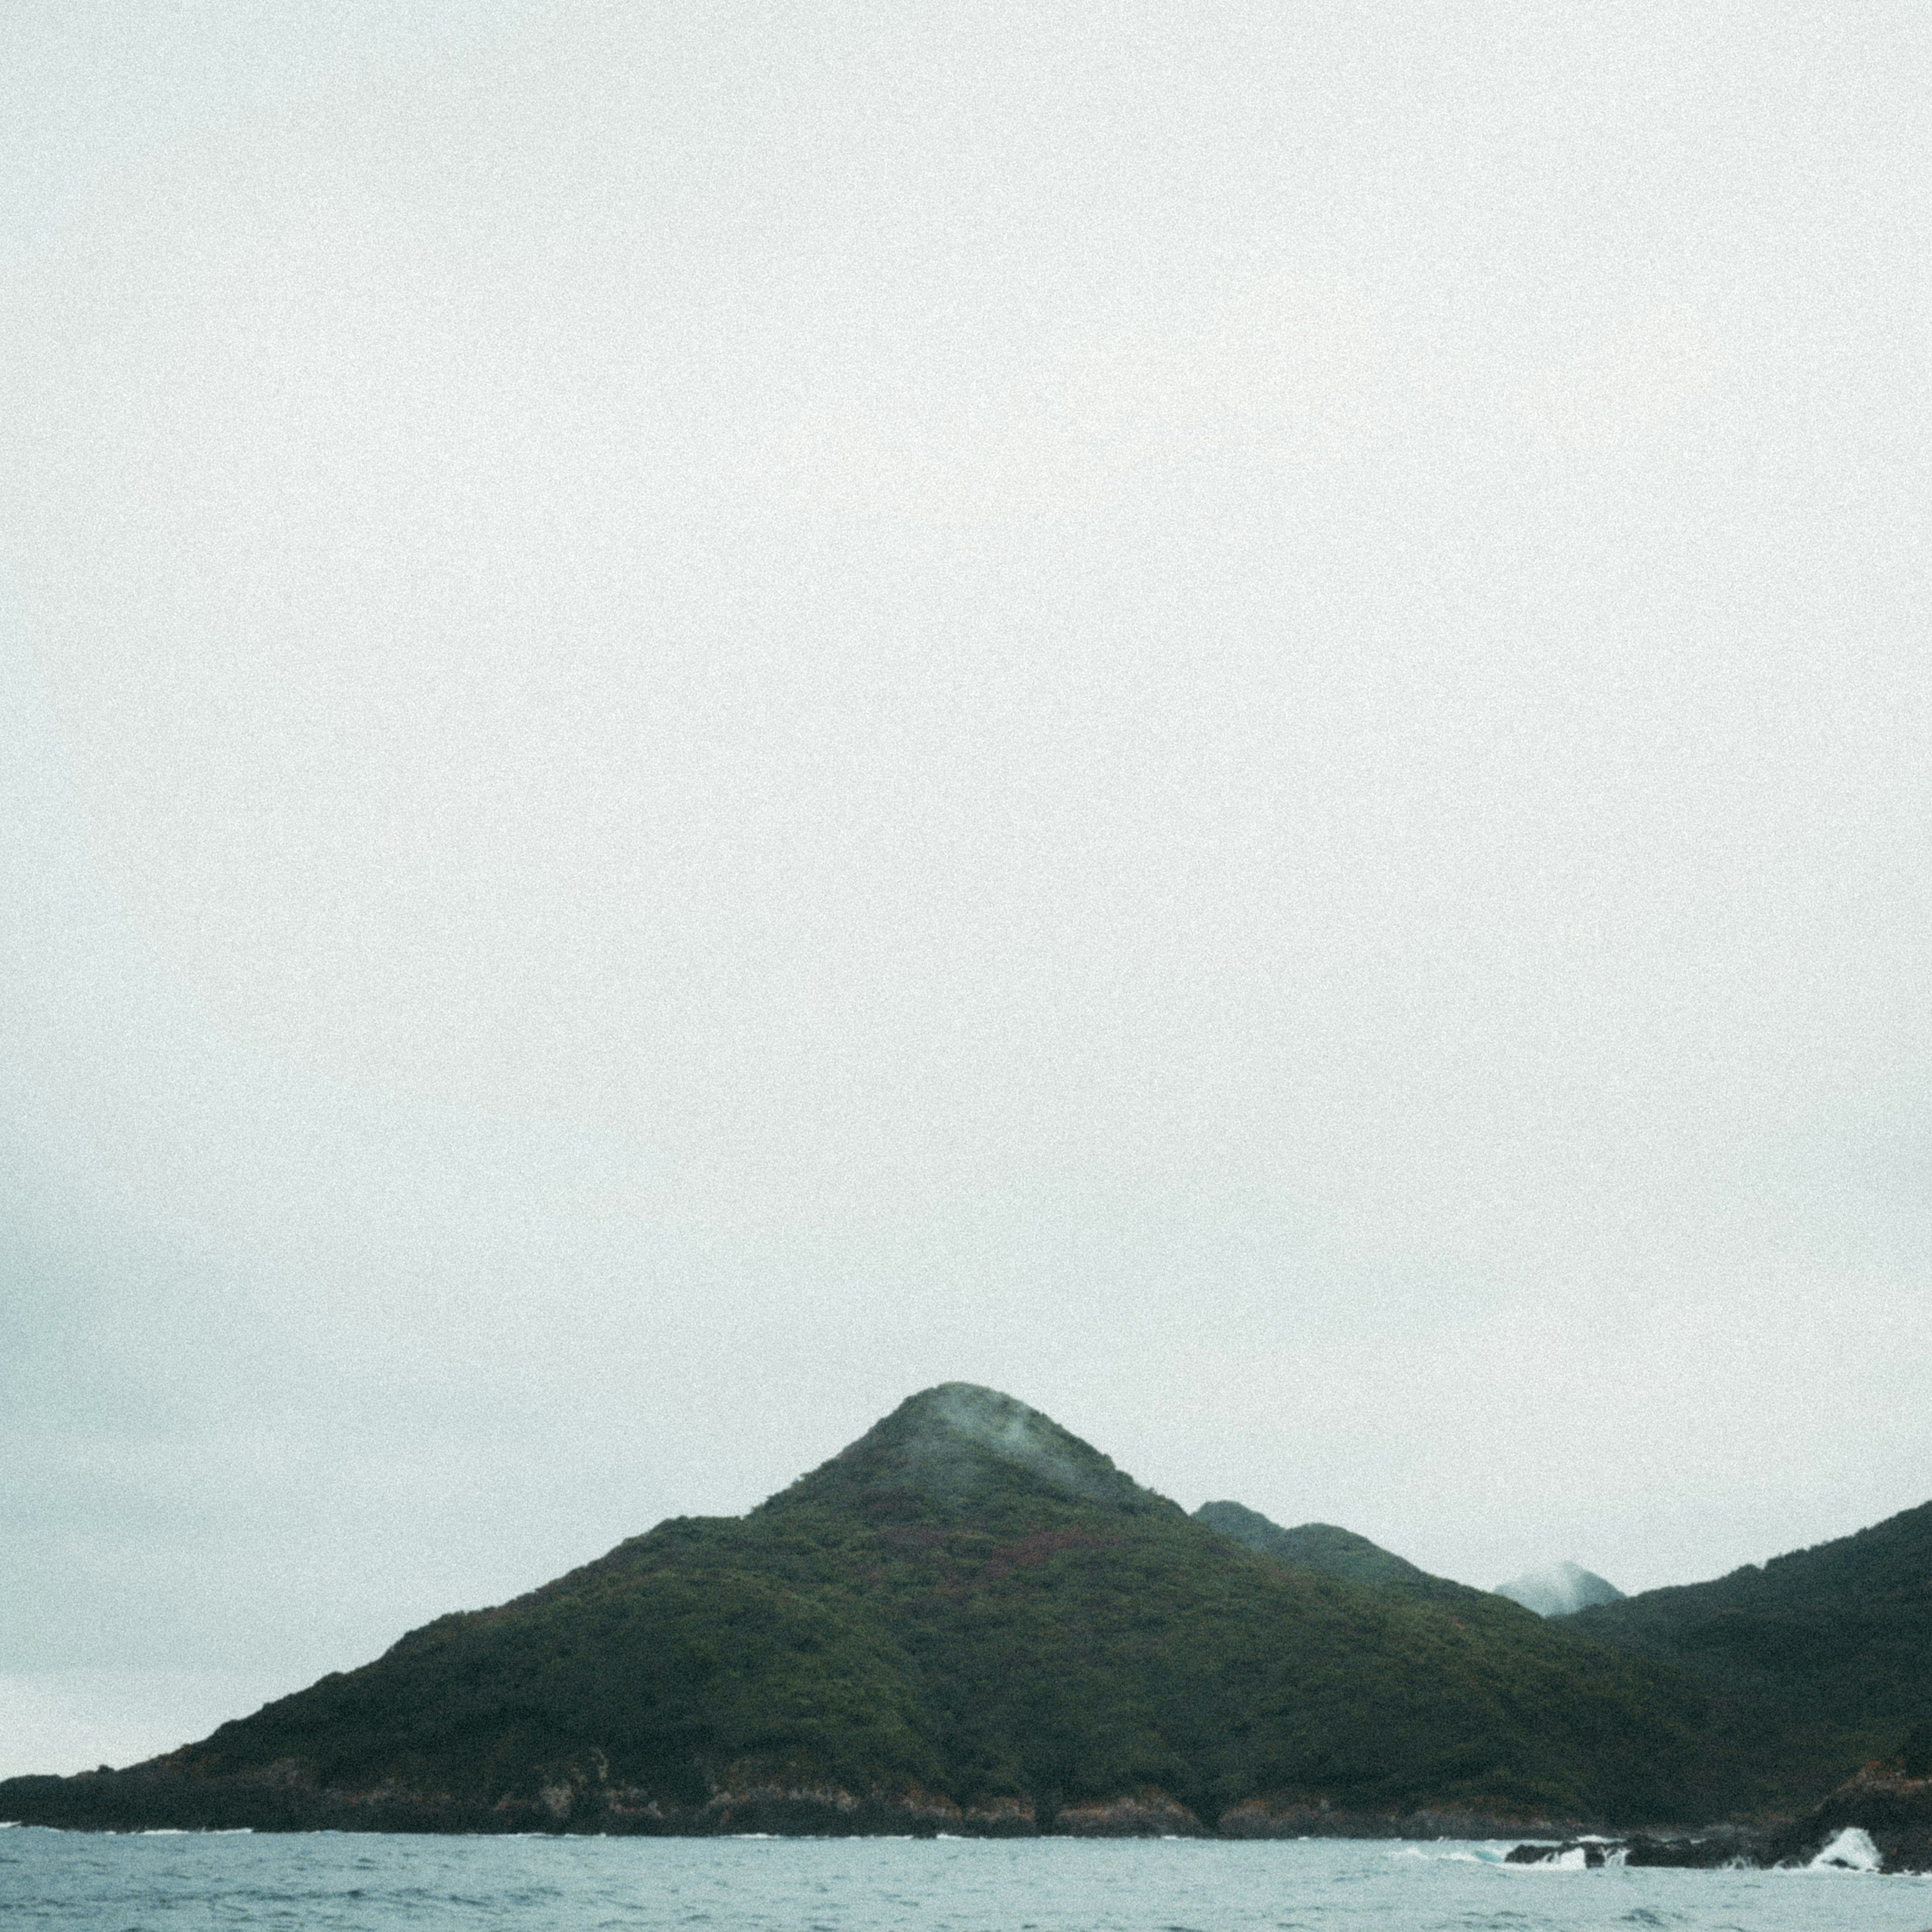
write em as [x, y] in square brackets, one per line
[157, 1796]
[1878, 1820]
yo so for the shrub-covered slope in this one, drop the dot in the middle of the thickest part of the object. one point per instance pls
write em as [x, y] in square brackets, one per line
[968, 1608]
[1822, 1658]
[1339, 1552]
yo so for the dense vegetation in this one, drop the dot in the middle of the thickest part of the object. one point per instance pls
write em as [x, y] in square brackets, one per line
[971, 1604]
[1340, 1552]
[1820, 1661]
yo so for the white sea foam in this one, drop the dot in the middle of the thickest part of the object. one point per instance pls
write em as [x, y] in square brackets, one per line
[1851, 1850]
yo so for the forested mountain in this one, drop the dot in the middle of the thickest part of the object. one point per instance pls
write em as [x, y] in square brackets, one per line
[969, 1620]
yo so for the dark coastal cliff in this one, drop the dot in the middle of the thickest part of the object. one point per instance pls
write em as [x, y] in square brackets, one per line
[967, 1621]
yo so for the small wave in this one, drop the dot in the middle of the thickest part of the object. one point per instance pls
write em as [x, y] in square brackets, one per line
[1851, 1850]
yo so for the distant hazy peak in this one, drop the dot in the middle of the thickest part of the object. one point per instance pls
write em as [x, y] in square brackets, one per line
[1559, 1588]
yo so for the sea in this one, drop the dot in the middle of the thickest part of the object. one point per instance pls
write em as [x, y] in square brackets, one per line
[183, 1881]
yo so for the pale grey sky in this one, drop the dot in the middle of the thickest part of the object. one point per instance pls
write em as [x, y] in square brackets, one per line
[1217, 714]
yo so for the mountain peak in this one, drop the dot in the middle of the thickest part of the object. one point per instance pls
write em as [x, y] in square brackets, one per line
[958, 1444]
[1558, 1588]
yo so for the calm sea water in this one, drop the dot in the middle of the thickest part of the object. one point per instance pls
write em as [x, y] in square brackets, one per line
[181, 1882]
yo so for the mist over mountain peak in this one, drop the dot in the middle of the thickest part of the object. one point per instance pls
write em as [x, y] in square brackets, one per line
[957, 1444]
[1558, 1588]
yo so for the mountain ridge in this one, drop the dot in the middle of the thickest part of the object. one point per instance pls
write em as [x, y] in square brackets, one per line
[1338, 1551]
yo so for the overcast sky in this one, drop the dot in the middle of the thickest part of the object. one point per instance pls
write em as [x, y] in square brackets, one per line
[712, 711]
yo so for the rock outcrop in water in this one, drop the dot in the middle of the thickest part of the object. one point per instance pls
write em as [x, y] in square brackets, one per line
[968, 1621]
[1891, 1812]
[1719, 1849]
[1879, 1821]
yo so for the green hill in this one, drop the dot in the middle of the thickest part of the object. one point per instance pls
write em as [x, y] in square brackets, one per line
[1822, 1659]
[967, 1620]
[1339, 1552]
